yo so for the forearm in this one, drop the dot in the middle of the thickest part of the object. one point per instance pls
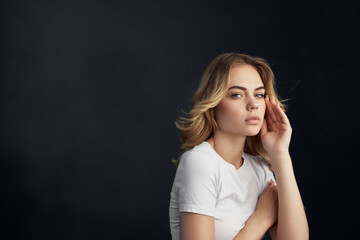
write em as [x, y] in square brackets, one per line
[254, 229]
[292, 222]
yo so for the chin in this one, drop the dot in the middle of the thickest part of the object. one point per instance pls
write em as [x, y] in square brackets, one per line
[245, 131]
[253, 133]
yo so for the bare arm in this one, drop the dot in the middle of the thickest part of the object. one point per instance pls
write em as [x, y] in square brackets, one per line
[292, 222]
[202, 227]
[272, 231]
[253, 229]
[196, 226]
[275, 136]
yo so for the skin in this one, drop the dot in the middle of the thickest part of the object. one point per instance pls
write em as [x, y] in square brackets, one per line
[279, 209]
[234, 109]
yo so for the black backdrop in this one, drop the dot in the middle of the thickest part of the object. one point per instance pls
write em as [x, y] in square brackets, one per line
[90, 91]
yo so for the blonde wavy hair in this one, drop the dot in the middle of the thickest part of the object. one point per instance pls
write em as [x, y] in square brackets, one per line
[199, 123]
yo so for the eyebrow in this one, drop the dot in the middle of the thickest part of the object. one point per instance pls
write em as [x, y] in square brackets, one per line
[243, 88]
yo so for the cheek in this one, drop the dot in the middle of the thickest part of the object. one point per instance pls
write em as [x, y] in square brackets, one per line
[228, 112]
[262, 107]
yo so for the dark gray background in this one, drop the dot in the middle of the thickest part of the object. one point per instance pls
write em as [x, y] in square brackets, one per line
[90, 91]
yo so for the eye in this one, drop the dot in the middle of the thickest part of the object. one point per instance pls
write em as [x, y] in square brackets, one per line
[236, 95]
[261, 95]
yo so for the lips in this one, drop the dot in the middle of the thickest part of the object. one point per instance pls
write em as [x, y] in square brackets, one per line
[252, 118]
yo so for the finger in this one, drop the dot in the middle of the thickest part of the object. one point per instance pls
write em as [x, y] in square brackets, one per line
[270, 111]
[268, 106]
[274, 104]
[281, 115]
[264, 128]
[271, 184]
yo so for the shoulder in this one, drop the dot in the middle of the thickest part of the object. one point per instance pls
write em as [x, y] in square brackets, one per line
[199, 156]
[199, 162]
[197, 170]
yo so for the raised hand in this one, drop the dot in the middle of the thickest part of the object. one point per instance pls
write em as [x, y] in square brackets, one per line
[276, 129]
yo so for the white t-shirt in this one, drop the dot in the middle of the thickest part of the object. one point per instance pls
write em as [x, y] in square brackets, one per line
[205, 183]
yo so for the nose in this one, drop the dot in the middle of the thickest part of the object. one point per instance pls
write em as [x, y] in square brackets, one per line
[253, 106]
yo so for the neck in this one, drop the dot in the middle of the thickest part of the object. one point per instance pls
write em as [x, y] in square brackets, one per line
[229, 147]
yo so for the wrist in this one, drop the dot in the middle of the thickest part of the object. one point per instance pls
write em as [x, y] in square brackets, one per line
[279, 153]
[274, 156]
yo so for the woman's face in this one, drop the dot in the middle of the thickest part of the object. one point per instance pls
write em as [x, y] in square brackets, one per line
[244, 99]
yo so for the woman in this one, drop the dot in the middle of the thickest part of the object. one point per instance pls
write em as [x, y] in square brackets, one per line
[235, 139]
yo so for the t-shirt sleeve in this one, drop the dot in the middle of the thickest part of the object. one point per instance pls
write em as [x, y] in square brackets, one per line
[196, 184]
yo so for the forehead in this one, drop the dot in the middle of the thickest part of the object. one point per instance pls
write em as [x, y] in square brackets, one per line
[245, 75]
